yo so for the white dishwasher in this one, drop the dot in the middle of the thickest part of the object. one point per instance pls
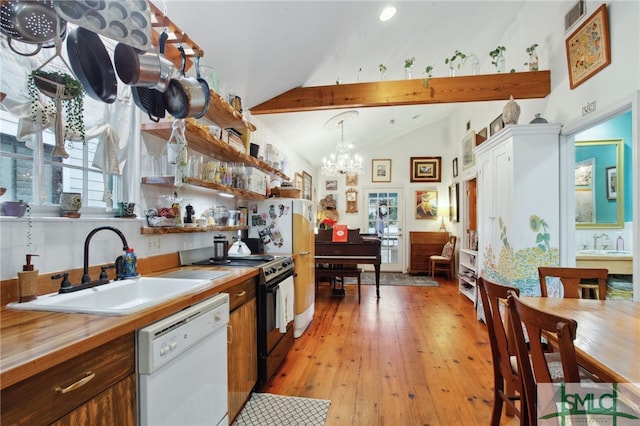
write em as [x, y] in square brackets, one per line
[182, 366]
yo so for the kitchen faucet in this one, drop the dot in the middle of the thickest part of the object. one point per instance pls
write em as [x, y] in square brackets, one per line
[119, 267]
[595, 240]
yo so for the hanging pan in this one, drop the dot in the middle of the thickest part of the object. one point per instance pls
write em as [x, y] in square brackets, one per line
[150, 101]
[186, 96]
[91, 65]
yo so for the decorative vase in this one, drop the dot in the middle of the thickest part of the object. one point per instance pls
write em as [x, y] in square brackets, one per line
[533, 60]
[407, 73]
[538, 120]
[452, 71]
[500, 63]
[511, 112]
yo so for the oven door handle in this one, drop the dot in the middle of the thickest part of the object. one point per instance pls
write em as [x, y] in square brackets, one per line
[272, 288]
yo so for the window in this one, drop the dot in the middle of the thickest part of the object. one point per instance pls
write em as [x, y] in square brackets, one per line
[24, 175]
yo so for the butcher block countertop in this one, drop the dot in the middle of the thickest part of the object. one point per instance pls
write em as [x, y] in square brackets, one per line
[34, 341]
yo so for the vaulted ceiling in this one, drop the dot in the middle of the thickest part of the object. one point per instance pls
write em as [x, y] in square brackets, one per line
[261, 49]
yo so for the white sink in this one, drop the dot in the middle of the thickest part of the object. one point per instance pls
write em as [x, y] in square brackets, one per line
[605, 252]
[116, 298]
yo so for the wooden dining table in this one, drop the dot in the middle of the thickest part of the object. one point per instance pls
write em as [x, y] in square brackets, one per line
[608, 335]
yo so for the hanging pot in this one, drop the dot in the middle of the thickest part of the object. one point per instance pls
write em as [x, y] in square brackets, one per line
[91, 64]
[144, 69]
[32, 22]
[185, 96]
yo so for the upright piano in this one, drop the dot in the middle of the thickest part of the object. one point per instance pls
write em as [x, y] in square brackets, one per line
[358, 249]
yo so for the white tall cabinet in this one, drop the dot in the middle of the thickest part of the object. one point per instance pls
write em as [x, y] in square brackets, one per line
[518, 204]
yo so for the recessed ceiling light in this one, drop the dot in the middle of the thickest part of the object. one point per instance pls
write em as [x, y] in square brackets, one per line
[387, 13]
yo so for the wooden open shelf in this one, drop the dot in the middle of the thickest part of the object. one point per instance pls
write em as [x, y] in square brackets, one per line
[476, 88]
[168, 182]
[146, 230]
[205, 143]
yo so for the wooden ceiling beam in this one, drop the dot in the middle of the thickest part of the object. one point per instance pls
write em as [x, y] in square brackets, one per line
[486, 87]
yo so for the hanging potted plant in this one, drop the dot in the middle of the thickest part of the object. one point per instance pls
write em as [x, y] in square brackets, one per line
[47, 82]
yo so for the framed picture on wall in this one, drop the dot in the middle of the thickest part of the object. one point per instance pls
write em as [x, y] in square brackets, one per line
[588, 49]
[453, 202]
[307, 186]
[427, 205]
[496, 125]
[351, 180]
[297, 180]
[468, 144]
[455, 167]
[612, 183]
[331, 185]
[381, 170]
[425, 169]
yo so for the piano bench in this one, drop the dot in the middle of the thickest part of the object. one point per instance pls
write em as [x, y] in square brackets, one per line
[339, 273]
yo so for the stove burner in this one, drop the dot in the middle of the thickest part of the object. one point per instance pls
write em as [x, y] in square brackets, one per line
[218, 262]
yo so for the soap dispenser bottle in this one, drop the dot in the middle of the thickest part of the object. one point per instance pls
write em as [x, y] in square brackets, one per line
[130, 264]
[620, 242]
[28, 281]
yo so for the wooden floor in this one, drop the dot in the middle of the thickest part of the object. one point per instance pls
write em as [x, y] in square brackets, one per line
[418, 356]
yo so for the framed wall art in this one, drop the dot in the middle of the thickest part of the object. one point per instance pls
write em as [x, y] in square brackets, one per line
[612, 183]
[425, 169]
[381, 170]
[468, 157]
[307, 185]
[496, 125]
[588, 48]
[453, 202]
[455, 167]
[297, 180]
[427, 204]
[331, 185]
[351, 180]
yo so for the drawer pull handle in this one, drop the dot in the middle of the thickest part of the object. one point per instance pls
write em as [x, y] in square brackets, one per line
[229, 334]
[242, 293]
[77, 384]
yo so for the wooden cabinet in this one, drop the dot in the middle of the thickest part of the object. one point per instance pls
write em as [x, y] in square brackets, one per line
[243, 346]
[423, 245]
[467, 274]
[518, 204]
[97, 387]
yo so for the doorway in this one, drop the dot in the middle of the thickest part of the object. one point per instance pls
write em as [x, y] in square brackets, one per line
[384, 218]
[597, 235]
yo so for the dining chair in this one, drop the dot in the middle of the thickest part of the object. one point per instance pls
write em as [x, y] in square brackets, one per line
[573, 281]
[445, 261]
[506, 380]
[535, 366]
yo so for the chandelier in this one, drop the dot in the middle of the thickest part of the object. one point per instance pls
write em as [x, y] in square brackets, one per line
[341, 162]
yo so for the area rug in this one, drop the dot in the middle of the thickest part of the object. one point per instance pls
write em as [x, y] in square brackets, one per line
[395, 278]
[269, 409]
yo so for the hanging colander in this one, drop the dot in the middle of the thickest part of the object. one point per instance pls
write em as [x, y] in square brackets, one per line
[32, 22]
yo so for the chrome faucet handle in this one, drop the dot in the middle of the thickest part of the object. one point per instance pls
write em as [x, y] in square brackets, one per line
[605, 247]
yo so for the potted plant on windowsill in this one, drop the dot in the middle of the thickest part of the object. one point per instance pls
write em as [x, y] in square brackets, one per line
[15, 208]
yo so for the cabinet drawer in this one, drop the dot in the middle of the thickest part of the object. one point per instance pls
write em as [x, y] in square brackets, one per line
[240, 293]
[48, 396]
